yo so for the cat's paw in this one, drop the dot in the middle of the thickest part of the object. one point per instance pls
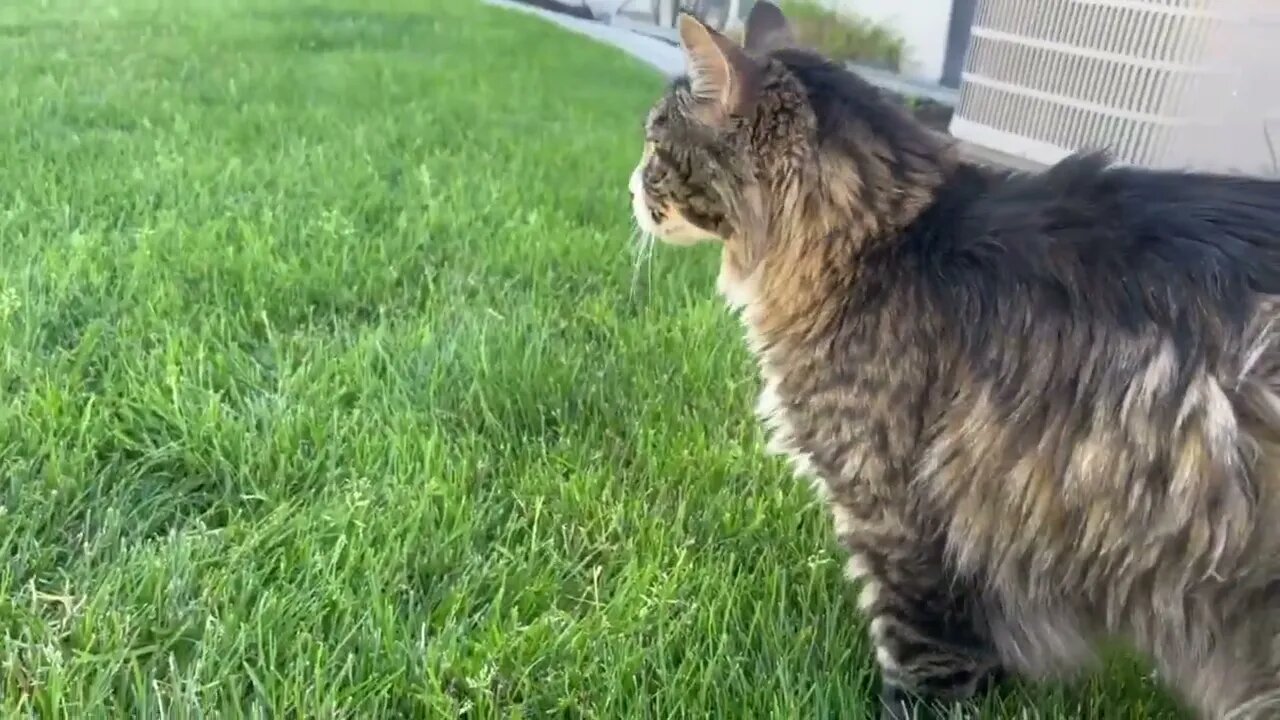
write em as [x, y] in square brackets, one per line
[898, 704]
[992, 681]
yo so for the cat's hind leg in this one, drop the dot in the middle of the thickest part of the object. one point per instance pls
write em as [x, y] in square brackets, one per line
[930, 642]
[1239, 678]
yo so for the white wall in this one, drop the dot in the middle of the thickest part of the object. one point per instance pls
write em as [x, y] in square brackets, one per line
[921, 23]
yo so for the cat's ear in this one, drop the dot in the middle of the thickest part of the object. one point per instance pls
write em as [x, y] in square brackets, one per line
[767, 29]
[721, 75]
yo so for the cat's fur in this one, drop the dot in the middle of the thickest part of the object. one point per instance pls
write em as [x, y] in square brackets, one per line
[1045, 408]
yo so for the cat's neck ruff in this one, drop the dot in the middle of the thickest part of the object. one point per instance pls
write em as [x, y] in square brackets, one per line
[740, 290]
[742, 294]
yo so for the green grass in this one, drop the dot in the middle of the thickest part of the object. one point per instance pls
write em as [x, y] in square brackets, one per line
[331, 389]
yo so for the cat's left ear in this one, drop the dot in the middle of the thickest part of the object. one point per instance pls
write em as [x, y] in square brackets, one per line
[722, 77]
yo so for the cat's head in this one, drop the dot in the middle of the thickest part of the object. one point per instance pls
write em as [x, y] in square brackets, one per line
[764, 139]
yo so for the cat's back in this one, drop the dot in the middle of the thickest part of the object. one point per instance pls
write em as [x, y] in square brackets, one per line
[1108, 334]
[1215, 233]
[1123, 249]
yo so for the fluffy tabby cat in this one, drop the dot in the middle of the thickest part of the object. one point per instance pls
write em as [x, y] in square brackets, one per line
[1045, 408]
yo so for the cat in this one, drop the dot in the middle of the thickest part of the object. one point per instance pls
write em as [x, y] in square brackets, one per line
[1044, 408]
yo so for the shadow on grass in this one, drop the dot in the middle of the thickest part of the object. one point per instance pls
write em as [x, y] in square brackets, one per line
[326, 30]
[17, 31]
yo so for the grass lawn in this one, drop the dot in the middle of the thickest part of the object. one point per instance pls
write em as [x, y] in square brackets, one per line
[331, 388]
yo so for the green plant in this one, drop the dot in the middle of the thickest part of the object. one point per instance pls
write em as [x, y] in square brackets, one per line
[843, 36]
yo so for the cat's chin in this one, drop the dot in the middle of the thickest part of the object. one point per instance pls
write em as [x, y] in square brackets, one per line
[686, 240]
[680, 232]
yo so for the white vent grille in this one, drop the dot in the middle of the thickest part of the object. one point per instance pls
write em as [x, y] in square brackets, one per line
[1169, 83]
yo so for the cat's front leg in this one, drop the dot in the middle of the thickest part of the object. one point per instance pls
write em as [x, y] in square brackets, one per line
[897, 703]
[930, 641]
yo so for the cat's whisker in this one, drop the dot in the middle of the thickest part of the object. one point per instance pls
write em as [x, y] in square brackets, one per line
[642, 253]
[646, 260]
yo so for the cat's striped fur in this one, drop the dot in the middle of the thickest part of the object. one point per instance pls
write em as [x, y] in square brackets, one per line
[1045, 409]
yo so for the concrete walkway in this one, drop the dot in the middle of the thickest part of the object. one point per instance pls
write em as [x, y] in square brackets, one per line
[655, 46]
[662, 56]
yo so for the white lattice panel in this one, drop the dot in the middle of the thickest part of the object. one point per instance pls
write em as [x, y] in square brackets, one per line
[1171, 83]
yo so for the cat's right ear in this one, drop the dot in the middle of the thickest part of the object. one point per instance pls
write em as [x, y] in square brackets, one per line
[721, 76]
[767, 29]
